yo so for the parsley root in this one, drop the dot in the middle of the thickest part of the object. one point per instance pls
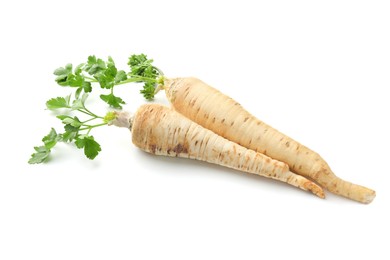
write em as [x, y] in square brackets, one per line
[162, 131]
[211, 109]
[197, 101]
[159, 130]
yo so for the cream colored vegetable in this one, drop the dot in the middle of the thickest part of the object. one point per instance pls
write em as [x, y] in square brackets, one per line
[160, 130]
[215, 111]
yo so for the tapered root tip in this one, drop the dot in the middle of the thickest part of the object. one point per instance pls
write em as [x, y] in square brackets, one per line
[305, 184]
[315, 189]
[352, 191]
[369, 197]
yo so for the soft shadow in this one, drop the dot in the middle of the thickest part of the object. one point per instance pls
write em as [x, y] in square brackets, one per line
[177, 166]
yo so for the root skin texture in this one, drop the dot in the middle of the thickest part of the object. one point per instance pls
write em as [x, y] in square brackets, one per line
[215, 111]
[160, 130]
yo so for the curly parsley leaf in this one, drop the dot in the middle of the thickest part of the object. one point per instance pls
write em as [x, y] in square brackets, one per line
[142, 68]
[148, 90]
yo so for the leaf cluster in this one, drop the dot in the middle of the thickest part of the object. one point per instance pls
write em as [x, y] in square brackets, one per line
[106, 74]
[82, 78]
[75, 130]
[94, 70]
[142, 68]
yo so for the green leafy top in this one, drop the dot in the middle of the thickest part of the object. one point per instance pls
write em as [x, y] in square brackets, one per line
[105, 73]
[142, 68]
[82, 78]
[76, 131]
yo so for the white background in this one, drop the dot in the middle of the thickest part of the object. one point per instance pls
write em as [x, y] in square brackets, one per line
[316, 70]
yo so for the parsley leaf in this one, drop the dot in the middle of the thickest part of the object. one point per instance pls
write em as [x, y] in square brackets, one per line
[142, 68]
[73, 121]
[42, 152]
[68, 136]
[91, 147]
[71, 125]
[71, 132]
[62, 74]
[120, 76]
[148, 90]
[106, 77]
[75, 80]
[94, 65]
[65, 77]
[106, 80]
[79, 69]
[86, 86]
[51, 139]
[112, 100]
[70, 128]
[76, 130]
[40, 156]
[63, 70]
[58, 102]
[79, 103]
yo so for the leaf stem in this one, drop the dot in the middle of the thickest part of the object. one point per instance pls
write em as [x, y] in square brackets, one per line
[85, 112]
[89, 127]
[136, 79]
[90, 78]
[92, 114]
[88, 120]
[132, 78]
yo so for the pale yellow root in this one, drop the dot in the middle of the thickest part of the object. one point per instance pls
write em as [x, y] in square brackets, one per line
[162, 131]
[215, 111]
